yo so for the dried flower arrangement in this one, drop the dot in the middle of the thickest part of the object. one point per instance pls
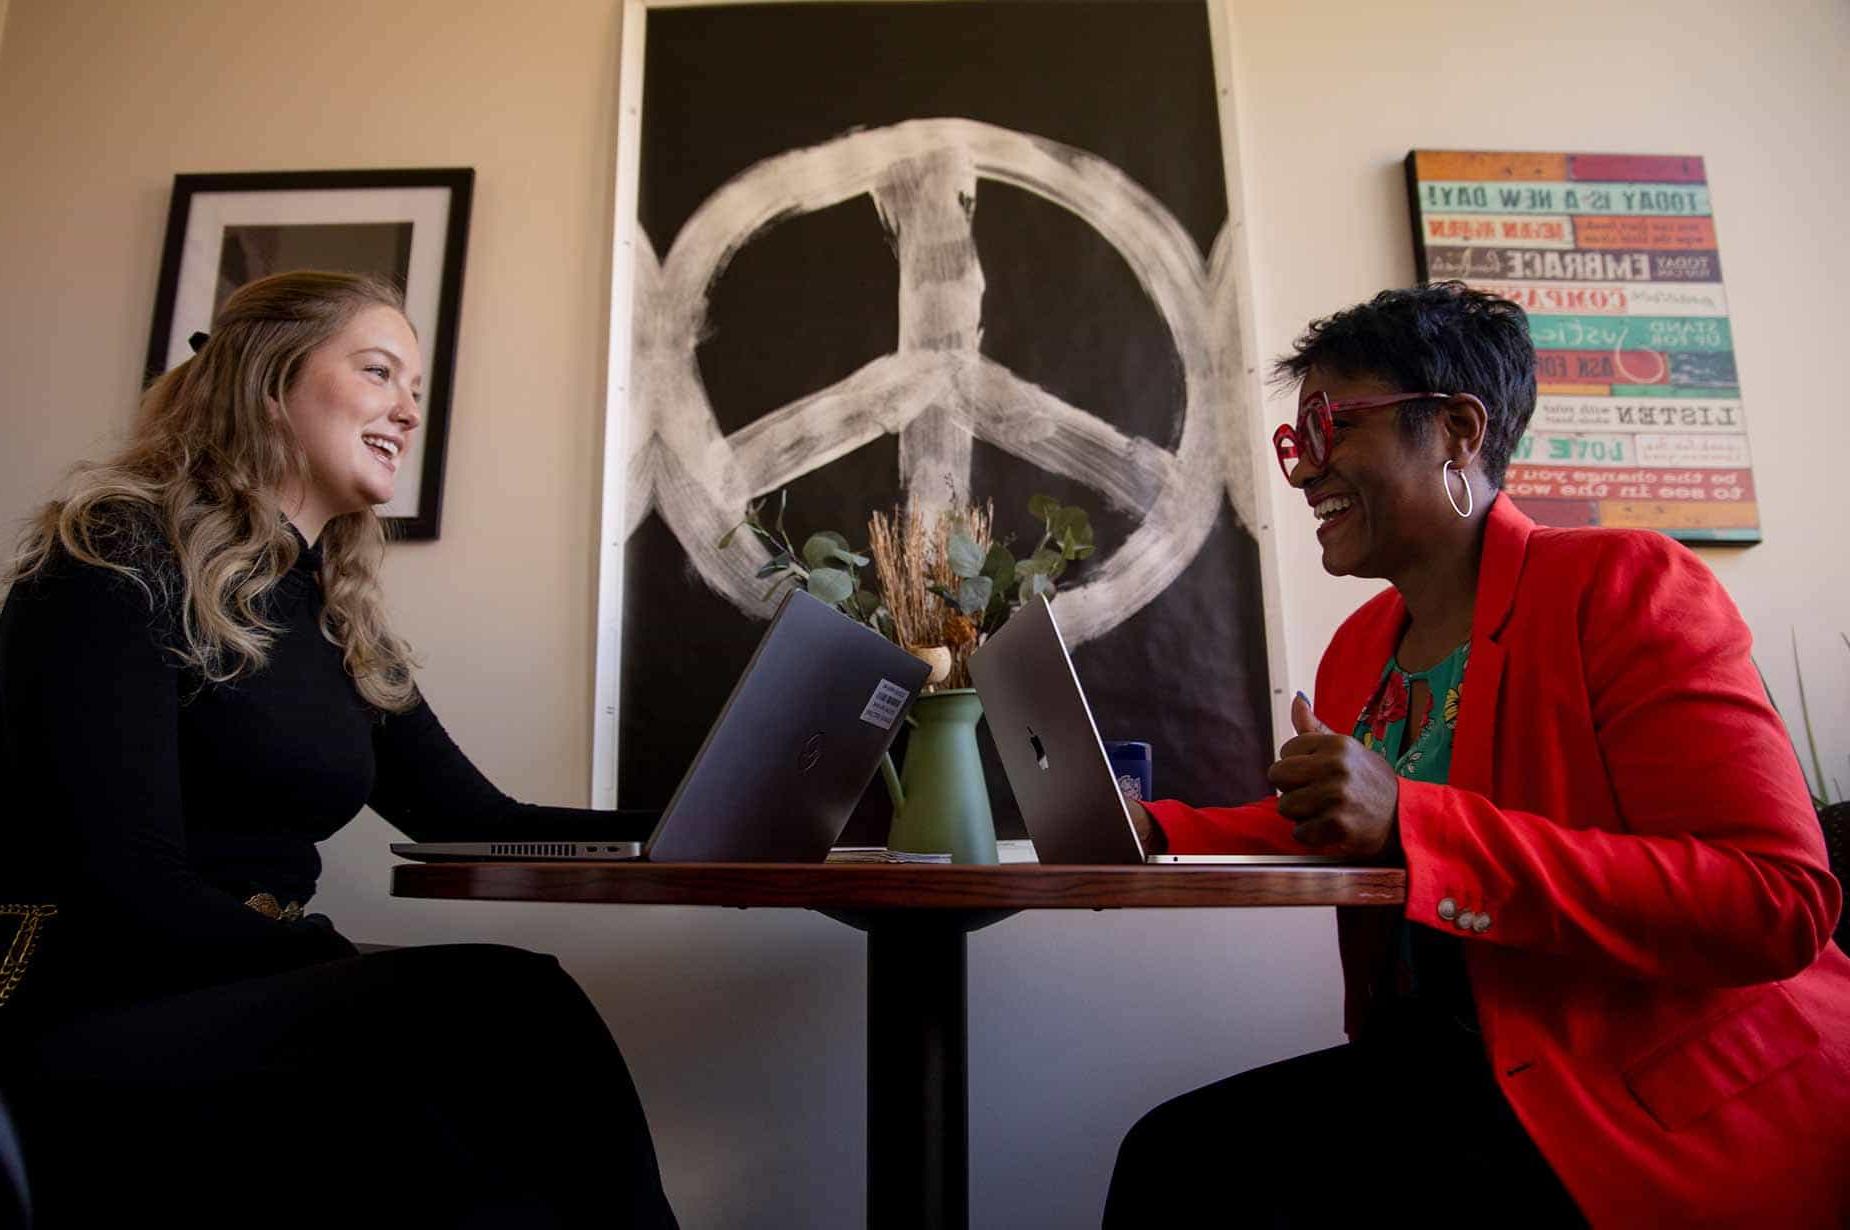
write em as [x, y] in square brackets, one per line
[943, 588]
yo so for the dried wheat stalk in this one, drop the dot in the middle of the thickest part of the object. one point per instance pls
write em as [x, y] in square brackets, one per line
[897, 543]
[908, 564]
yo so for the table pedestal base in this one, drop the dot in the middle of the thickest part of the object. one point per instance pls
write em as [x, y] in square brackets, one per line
[918, 1136]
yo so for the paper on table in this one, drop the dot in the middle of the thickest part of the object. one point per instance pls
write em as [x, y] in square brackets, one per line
[880, 854]
[1015, 850]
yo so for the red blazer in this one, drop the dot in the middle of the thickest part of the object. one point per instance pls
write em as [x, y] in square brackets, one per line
[1655, 980]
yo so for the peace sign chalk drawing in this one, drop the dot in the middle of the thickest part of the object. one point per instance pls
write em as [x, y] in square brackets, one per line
[937, 392]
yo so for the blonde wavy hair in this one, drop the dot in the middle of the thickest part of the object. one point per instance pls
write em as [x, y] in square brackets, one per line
[202, 476]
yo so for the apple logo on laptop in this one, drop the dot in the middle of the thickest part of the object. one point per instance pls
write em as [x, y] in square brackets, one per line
[811, 753]
[1040, 753]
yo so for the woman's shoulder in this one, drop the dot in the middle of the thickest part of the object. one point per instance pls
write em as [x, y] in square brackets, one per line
[1626, 586]
[1608, 555]
[122, 554]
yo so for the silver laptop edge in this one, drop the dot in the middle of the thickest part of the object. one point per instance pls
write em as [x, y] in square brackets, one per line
[525, 851]
[1076, 814]
[1025, 675]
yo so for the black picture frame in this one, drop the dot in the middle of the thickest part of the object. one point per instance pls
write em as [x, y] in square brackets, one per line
[383, 208]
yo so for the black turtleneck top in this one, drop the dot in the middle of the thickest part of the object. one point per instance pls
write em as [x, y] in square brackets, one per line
[148, 805]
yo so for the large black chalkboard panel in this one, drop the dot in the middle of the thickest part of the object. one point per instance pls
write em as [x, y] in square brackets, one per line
[992, 229]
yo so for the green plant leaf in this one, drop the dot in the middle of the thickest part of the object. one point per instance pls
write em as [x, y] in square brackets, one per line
[866, 602]
[823, 547]
[966, 558]
[974, 594]
[1805, 712]
[997, 613]
[777, 563]
[1043, 506]
[1069, 519]
[831, 585]
[1052, 562]
[726, 538]
[826, 546]
[1035, 583]
[999, 567]
[1045, 562]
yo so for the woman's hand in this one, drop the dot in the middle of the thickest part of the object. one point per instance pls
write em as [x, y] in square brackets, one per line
[1342, 797]
[1149, 834]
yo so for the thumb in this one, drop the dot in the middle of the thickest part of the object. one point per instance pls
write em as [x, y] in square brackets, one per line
[1303, 720]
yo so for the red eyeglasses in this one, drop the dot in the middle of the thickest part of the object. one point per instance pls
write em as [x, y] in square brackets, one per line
[1315, 432]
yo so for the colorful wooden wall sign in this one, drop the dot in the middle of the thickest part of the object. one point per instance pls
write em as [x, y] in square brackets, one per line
[1638, 421]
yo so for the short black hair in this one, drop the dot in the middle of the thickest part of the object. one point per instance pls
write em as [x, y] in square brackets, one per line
[1445, 337]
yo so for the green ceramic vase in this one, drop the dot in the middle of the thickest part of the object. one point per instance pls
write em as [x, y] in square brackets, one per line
[940, 800]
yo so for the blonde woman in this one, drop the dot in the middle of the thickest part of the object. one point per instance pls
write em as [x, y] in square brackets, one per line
[197, 684]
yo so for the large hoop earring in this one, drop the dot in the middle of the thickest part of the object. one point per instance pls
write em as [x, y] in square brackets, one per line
[1445, 481]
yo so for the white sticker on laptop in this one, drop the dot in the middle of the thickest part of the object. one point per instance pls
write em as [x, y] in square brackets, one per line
[884, 705]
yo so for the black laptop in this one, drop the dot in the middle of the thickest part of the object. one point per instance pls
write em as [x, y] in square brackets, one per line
[782, 766]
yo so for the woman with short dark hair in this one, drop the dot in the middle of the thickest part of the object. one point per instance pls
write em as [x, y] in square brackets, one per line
[1611, 995]
[197, 684]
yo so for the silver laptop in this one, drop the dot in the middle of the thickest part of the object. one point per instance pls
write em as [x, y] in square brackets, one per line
[784, 763]
[1050, 748]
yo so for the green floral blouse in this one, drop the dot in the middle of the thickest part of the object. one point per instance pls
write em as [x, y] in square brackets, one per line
[1386, 720]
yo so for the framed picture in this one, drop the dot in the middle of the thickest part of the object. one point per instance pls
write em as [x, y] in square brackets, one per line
[930, 277]
[410, 227]
[1638, 415]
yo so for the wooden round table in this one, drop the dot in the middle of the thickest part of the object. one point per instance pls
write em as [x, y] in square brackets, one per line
[916, 917]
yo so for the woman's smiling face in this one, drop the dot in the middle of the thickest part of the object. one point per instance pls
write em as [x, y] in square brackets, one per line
[354, 407]
[1377, 497]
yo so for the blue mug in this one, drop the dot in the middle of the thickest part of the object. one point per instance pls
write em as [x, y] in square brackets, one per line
[1130, 764]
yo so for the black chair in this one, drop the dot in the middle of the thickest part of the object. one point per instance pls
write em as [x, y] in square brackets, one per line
[15, 1195]
[1835, 821]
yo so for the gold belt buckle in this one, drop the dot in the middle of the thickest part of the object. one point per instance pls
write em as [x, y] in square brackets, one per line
[267, 905]
[25, 938]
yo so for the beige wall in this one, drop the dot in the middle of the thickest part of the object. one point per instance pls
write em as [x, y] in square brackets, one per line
[1756, 89]
[745, 1028]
